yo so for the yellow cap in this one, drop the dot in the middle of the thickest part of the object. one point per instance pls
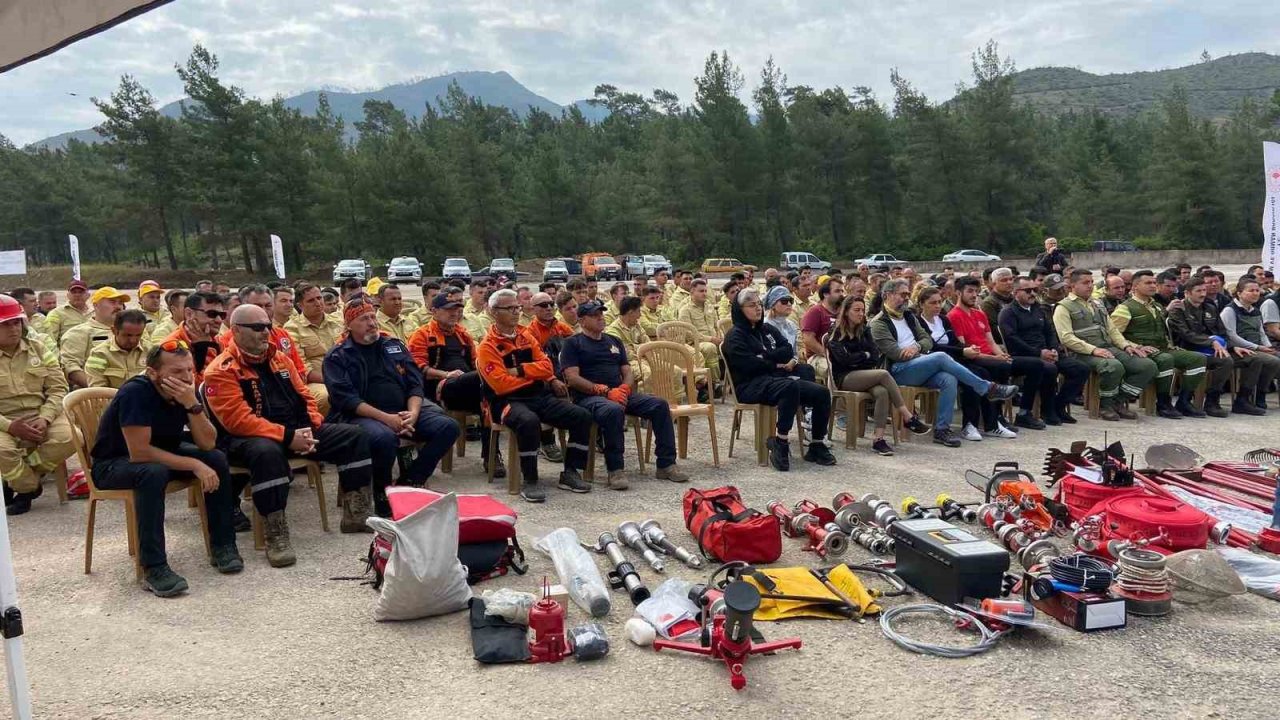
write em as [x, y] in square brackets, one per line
[375, 284]
[149, 286]
[108, 293]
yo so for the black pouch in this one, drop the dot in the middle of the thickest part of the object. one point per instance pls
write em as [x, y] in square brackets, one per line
[494, 640]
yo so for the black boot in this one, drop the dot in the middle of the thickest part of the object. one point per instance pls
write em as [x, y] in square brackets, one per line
[1243, 404]
[1185, 407]
[1164, 408]
[1260, 398]
[499, 468]
[1212, 408]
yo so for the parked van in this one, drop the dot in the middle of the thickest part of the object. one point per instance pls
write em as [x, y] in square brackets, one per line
[801, 260]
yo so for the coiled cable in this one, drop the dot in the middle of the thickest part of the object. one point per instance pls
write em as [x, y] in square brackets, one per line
[960, 618]
[1083, 571]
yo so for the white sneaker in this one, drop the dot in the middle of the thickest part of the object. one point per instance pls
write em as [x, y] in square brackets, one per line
[1000, 432]
[971, 433]
[807, 422]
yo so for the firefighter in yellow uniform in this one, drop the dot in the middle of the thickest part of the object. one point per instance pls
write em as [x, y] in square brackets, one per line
[475, 314]
[651, 315]
[151, 303]
[35, 436]
[627, 329]
[107, 303]
[64, 317]
[113, 362]
[315, 333]
[699, 313]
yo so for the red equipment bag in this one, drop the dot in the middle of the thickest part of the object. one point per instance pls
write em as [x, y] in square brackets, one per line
[487, 543]
[726, 529]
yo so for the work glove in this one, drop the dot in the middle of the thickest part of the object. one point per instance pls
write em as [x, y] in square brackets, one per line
[620, 394]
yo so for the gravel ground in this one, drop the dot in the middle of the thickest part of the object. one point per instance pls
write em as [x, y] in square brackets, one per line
[294, 642]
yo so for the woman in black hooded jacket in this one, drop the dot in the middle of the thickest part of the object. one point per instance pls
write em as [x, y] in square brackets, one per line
[765, 371]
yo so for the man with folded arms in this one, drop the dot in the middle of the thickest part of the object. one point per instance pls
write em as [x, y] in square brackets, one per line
[141, 446]
[598, 371]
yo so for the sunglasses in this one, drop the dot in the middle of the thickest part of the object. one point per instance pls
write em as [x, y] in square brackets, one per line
[214, 314]
[174, 345]
[255, 327]
[785, 301]
[544, 305]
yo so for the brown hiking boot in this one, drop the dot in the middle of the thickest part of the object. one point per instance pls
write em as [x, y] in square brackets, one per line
[672, 473]
[355, 510]
[279, 549]
[1109, 414]
[618, 480]
[1122, 409]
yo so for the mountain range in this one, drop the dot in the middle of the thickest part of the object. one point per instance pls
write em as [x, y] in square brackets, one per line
[493, 88]
[1214, 88]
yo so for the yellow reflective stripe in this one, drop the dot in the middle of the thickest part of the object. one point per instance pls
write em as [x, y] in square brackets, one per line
[95, 362]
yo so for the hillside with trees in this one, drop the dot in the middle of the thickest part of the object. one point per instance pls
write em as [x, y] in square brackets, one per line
[835, 170]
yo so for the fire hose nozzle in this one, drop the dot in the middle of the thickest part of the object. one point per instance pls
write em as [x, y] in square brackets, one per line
[631, 536]
[1219, 532]
[952, 508]
[836, 543]
[911, 508]
[655, 537]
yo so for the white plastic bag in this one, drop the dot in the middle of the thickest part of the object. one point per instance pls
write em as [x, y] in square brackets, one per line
[1260, 574]
[577, 571]
[423, 576]
[510, 605]
[670, 611]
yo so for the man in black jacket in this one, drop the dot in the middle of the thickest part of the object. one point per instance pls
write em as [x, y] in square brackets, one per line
[1028, 332]
[765, 371]
[1196, 326]
[1052, 259]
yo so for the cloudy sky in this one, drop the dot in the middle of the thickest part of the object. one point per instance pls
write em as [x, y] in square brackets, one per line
[562, 48]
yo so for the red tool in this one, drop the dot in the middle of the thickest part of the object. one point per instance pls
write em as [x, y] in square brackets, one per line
[727, 635]
[785, 518]
[824, 515]
[1020, 487]
[826, 540]
[546, 629]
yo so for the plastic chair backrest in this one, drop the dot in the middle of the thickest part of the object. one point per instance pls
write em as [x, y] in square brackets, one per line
[668, 362]
[679, 331]
[84, 408]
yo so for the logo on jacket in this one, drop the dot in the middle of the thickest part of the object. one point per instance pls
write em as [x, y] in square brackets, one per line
[613, 349]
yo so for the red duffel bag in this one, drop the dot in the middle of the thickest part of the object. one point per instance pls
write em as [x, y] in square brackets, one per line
[726, 529]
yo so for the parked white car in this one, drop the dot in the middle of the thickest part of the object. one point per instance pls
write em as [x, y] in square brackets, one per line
[404, 269]
[456, 268]
[881, 262]
[970, 256]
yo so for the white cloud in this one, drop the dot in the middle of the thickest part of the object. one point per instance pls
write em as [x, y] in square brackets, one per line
[563, 49]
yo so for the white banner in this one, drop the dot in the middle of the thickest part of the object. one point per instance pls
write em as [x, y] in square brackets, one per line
[75, 256]
[277, 254]
[13, 262]
[1270, 216]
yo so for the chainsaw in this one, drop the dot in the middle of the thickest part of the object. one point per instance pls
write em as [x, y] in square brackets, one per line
[1026, 500]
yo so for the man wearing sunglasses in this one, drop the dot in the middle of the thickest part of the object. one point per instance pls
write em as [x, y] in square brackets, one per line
[201, 317]
[267, 415]
[374, 384]
[141, 446]
[517, 374]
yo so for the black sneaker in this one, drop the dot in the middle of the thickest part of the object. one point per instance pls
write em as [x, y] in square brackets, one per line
[1064, 414]
[1052, 419]
[572, 481]
[779, 453]
[552, 452]
[1029, 421]
[239, 520]
[819, 453]
[227, 559]
[882, 447]
[917, 426]
[162, 581]
[533, 493]
[1167, 411]
[944, 436]
[1001, 392]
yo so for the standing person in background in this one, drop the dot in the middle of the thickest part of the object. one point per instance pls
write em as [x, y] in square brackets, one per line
[855, 367]
[76, 343]
[74, 312]
[1052, 259]
[35, 436]
[112, 363]
[391, 318]
[314, 333]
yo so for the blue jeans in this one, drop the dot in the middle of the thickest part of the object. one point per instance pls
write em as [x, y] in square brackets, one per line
[938, 371]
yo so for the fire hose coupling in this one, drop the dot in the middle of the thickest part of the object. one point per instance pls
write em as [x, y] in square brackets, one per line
[657, 539]
[875, 511]
[624, 574]
[825, 540]
[632, 537]
[868, 536]
[1038, 552]
[913, 510]
[1219, 531]
[952, 508]
[824, 515]
[843, 499]
[785, 518]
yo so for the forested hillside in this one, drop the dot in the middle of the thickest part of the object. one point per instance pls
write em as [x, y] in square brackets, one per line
[833, 170]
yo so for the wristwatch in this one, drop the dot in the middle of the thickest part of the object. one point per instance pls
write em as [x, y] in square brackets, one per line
[197, 409]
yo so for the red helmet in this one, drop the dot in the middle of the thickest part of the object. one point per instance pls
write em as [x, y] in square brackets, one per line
[10, 309]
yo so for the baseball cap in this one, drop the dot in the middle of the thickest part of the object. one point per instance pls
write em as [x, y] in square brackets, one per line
[374, 285]
[590, 307]
[442, 301]
[108, 293]
[1053, 281]
[149, 286]
[77, 285]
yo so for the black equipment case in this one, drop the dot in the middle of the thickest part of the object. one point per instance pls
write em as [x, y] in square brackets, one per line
[946, 562]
